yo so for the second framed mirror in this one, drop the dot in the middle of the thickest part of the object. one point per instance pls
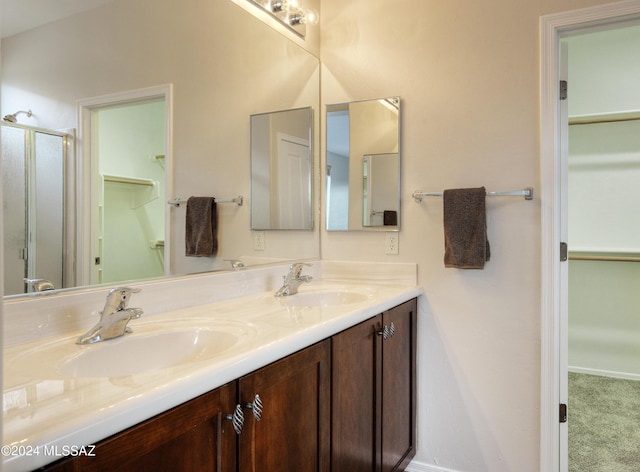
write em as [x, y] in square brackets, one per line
[363, 165]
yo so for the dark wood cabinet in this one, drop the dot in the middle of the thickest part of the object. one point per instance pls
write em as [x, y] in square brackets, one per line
[292, 434]
[194, 437]
[346, 404]
[374, 393]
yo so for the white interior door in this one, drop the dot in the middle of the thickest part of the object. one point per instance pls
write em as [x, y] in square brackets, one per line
[563, 178]
[294, 185]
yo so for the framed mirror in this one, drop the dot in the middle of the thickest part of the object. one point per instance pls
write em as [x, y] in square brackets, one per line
[363, 165]
[281, 170]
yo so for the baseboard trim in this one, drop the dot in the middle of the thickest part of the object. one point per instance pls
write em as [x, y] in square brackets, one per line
[422, 467]
[604, 373]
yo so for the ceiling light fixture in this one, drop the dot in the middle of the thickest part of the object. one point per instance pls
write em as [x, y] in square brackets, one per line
[290, 13]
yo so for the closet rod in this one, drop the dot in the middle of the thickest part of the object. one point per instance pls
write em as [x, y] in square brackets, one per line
[527, 193]
[604, 118]
[239, 200]
[604, 258]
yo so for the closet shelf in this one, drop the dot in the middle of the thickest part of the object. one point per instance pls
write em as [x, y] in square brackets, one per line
[118, 179]
[143, 191]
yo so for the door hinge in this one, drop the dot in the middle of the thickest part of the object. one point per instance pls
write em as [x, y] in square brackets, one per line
[563, 89]
[563, 412]
[564, 252]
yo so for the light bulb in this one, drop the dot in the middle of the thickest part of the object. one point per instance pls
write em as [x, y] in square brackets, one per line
[308, 17]
[312, 17]
[278, 6]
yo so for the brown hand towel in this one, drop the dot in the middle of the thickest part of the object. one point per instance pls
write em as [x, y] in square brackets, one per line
[200, 231]
[465, 228]
[390, 218]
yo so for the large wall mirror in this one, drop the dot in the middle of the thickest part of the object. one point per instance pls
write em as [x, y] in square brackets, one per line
[363, 165]
[222, 65]
[281, 170]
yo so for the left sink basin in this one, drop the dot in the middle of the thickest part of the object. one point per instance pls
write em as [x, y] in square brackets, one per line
[149, 348]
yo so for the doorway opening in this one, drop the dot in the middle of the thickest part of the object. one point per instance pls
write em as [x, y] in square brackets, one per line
[555, 215]
[603, 328]
[127, 173]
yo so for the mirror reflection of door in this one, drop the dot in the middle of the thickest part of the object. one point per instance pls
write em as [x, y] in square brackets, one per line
[294, 168]
[129, 142]
[281, 168]
[33, 162]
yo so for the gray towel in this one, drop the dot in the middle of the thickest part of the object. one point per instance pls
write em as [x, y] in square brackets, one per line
[465, 228]
[200, 229]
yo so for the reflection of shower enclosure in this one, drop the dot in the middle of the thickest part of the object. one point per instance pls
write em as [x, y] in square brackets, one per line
[33, 198]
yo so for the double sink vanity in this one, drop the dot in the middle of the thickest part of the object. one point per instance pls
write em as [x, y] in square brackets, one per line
[219, 374]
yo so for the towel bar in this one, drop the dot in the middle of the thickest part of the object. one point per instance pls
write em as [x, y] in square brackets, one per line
[527, 193]
[239, 200]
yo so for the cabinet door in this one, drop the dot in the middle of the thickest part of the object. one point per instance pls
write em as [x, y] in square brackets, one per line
[399, 387]
[293, 432]
[194, 437]
[373, 393]
[354, 421]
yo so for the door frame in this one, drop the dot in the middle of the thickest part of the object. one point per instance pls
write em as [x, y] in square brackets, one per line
[86, 169]
[553, 170]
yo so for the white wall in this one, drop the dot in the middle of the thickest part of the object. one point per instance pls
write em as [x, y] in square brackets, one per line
[595, 59]
[468, 75]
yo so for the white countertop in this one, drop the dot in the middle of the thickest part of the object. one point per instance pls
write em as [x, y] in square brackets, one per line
[45, 411]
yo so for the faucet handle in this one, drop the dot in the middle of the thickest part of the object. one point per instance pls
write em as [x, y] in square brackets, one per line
[118, 298]
[296, 268]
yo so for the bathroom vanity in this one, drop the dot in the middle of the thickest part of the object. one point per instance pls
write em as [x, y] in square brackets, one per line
[322, 380]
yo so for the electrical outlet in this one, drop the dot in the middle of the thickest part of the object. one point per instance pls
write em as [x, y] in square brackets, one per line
[258, 240]
[391, 243]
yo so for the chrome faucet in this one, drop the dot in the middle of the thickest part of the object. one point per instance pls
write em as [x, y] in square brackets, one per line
[293, 280]
[113, 318]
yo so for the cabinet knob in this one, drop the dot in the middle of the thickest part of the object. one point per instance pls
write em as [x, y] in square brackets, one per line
[387, 331]
[384, 332]
[237, 419]
[256, 407]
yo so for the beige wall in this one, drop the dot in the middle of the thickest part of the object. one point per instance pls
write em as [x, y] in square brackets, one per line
[468, 75]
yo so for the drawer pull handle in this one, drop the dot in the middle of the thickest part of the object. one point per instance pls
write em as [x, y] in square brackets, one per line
[237, 419]
[392, 330]
[256, 407]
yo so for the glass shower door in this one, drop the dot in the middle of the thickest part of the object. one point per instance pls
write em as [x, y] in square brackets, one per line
[33, 198]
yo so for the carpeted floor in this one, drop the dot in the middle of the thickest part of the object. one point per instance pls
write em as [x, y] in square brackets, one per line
[604, 424]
